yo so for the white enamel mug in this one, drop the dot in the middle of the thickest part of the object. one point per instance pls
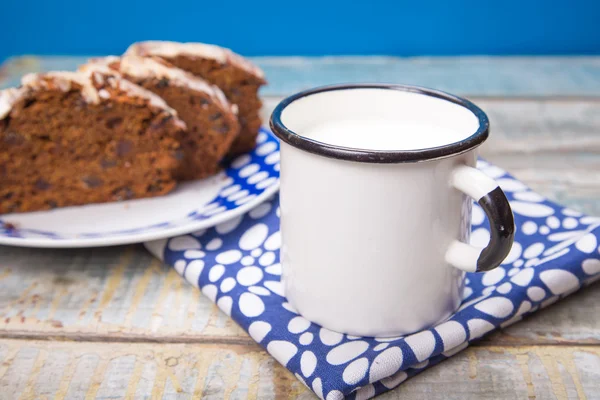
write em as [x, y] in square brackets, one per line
[375, 242]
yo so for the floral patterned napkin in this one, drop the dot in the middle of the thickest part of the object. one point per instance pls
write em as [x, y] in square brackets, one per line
[236, 265]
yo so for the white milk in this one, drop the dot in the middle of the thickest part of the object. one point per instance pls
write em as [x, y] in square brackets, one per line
[379, 119]
[381, 134]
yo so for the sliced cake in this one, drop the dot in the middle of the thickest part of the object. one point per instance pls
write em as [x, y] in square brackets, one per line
[237, 77]
[211, 121]
[70, 138]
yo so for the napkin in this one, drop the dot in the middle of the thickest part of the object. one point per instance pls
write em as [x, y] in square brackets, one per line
[236, 264]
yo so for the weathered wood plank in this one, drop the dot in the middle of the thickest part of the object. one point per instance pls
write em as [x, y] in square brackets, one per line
[552, 145]
[522, 372]
[484, 76]
[573, 320]
[64, 370]
[104, 292]
[122, 293]
[567, 322]
[109, 304]
[31, 280]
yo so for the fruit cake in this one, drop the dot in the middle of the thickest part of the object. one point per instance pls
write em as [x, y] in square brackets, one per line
[239, 79]
[211, 121]
[71, 138]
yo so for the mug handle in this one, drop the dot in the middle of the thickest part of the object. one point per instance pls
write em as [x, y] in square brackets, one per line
[492, 199]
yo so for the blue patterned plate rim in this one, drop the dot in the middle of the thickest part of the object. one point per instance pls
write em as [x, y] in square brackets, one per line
[249, 180]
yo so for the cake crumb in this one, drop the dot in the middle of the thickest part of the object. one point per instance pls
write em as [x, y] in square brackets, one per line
[10, 226]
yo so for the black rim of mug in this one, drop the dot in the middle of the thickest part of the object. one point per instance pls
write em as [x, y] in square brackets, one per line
[380, 156]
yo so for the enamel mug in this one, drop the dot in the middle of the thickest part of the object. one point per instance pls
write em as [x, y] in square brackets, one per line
[375, 242]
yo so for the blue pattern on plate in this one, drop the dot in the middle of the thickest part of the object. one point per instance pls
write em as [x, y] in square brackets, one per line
[248, 176]
[236, 265]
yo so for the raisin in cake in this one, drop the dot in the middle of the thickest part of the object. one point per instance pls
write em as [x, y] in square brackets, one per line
[236, 76]
[211, 121]
[70, 138]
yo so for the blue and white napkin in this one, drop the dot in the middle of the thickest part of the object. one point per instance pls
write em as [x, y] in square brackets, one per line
[236, 265]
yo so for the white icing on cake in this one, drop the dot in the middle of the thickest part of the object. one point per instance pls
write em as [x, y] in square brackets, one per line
[173, 49]
[8, 98]
[93, 89]
[136, 67]
[104, 75]
[200, 50]
[61, 80]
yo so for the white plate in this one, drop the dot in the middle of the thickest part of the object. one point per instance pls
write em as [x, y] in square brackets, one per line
[250, 179]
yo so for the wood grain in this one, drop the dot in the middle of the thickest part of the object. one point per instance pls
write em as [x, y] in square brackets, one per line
[39, 302]
[115, 323]
[91, 370]
[122, 293]
[521, 372]
[473, 76]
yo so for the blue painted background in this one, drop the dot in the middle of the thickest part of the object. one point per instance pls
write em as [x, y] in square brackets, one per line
[309, 27]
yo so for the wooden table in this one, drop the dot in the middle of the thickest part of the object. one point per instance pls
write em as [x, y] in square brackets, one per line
[111, 323]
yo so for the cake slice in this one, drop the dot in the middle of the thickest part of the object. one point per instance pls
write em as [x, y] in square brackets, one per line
[237, 77]
[71, 138]
[211, 121]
